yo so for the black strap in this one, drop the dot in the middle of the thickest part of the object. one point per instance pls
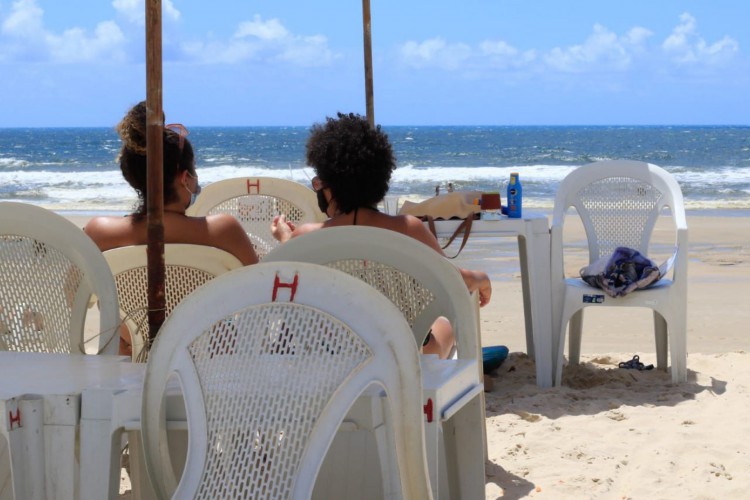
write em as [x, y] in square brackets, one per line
[464, 227]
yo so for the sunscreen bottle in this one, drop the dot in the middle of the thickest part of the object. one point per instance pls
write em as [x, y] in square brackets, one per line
[514, 196]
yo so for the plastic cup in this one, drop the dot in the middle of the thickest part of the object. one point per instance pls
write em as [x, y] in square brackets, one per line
[390, 204]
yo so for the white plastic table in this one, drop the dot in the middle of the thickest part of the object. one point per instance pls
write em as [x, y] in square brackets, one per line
[533, 234]
[40, 396]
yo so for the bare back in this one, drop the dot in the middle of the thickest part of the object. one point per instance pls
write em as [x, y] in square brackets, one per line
[404, 224]
[221, 231]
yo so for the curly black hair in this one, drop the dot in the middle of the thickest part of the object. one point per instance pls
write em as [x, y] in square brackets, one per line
[132, 157]
[352, 159]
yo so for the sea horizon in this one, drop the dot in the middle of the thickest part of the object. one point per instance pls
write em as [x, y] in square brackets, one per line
[74, 169]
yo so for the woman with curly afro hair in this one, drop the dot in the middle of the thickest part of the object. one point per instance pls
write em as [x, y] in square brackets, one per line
[353, 163]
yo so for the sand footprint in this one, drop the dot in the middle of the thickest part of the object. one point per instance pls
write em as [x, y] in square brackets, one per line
[720, 471]
[529, 417]
[616, 416]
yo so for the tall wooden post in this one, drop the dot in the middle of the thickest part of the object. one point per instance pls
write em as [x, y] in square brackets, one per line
[367, 31]
[155, 175]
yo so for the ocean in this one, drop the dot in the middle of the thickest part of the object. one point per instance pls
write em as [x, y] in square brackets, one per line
[74, 169]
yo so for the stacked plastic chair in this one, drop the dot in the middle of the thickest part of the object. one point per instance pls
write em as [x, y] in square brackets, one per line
[49, 272]
[424, 286]
[270, 358]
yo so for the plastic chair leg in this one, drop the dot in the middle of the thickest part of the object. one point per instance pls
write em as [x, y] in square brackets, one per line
[678, 347]
[660, 335]
[574, 338]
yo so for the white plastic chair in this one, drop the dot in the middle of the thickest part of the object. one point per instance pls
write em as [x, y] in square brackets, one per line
[49, 270]
[270, 358]
[424, 286]
[420, 282]
[187, 268]
[254, 201]
[619, 203]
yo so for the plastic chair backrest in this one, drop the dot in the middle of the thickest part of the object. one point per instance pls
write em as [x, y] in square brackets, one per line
[420, 282]
[619, 202]
[255, 201]
[187, 268]
[49, 270]
[270, 358]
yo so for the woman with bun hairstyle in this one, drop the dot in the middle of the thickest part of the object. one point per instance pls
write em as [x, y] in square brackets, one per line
[180, 189]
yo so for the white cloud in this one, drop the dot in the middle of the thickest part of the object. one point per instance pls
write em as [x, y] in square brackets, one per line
[135, 10]
[602, 50]
[269, 30]
[25, 37]
[74, 45]
[24, 21]
[435, 52]
[261, 40]
[501, 54]
[685, 46]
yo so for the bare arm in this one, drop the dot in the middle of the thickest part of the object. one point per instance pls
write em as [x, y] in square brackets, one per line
[475, 280]
[284, 230]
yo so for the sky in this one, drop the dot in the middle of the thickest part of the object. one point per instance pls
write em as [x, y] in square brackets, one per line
[468, 62]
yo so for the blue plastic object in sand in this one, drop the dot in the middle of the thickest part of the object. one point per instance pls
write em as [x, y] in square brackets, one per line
[493, 357]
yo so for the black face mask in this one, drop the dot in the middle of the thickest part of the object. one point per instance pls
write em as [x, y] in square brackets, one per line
[322, 202]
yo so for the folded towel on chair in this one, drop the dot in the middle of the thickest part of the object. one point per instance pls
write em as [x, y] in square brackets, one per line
[621, 273]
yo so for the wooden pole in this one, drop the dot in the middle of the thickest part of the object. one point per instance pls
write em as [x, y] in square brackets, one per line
[155, 170]
[367, 31]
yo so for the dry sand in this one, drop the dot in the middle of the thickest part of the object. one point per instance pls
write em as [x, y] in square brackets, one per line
[614, 433]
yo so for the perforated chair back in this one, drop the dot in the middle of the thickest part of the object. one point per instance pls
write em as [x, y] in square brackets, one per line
[49, 271]
[270, 358]
[187, 268]
[255, 201]
[619, 203]
[419, 281]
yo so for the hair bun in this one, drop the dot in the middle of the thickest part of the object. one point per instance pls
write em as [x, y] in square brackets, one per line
[132, 129]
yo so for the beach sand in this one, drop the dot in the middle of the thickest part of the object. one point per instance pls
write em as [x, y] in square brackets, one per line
[614, 433]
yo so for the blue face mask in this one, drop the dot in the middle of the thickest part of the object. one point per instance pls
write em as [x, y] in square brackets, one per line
[193, 196]
[322, 202]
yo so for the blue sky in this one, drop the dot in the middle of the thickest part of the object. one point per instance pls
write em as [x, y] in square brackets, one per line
[473, 62]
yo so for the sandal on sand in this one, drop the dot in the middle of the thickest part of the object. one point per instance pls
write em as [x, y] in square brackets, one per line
[635, 364]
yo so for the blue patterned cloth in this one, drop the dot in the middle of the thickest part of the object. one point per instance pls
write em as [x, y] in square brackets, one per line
[626, 270]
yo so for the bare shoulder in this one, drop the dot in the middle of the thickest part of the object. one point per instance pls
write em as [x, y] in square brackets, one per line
[109, 232]
[223, 222]
[226, 232]
[417, 230]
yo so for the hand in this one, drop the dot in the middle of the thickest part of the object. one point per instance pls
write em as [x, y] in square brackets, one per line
[282, 229]
[485, 292]
[480, 282]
